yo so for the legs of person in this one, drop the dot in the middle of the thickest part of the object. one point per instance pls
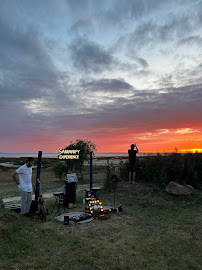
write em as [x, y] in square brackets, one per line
[130, 172]
[130, 177]
[23, 201]
[134, 172]
[134, 175]
[28, 202]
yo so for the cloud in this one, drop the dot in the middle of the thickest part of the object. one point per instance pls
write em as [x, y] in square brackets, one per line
[108, 85]
[90, 57]
[142, 111]
[166, 27]
[119, 15]
[26, 69]
[30, 85]
[116, 14]
[82, 25]
[77, 6]
[178, 108]
[192, 40]
[142, 62]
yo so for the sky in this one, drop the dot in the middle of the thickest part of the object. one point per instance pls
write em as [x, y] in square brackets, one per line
[114, 72]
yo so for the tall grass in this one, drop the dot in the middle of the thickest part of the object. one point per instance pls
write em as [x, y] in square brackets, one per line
[161, 169]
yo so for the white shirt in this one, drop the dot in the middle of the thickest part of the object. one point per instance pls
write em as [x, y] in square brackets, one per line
[25, 178]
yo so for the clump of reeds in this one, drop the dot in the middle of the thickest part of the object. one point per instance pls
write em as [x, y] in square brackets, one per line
[161, 169]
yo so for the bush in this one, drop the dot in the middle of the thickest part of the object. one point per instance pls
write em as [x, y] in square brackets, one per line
[59, 169]
[124, 171]
[111, 180]
[161, 169]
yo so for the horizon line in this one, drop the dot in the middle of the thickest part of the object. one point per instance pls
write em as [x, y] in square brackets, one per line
[183, 151]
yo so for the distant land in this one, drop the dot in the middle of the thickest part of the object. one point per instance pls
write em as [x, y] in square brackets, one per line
[55, 155]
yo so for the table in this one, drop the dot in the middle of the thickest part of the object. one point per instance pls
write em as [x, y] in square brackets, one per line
[93, 192]
[59, 200]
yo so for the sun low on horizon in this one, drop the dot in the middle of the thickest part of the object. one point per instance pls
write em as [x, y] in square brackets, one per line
[113, 72]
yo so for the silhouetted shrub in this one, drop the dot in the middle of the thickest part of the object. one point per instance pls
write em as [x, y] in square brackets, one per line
[59, 169]
[111, 180]
[124, 169]
[161, 169]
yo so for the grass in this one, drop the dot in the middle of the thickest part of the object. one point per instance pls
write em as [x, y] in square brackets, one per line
[155, 231]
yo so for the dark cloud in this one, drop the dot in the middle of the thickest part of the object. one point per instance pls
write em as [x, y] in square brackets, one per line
[153, 33]
[78, 6]
[105, 16]
[89, 56]
[26, 74]
[25, 65]
[119, 13]
[143, 110]
[108, 85]
[13, 115]
[166, 81]
[197, 40]
[82, 25]
[142, 62]
[150, 110]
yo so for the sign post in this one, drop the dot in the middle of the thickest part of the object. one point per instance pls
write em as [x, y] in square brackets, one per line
[38, 176]
[91, 170]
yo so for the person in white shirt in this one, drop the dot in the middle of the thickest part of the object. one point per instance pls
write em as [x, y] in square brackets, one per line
[25, 184]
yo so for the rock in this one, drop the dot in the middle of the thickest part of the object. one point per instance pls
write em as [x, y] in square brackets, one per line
[177, 189]
[190, 187]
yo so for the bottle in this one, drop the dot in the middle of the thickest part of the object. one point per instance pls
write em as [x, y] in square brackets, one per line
[84, 199]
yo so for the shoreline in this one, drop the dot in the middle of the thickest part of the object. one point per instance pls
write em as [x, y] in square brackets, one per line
[96, 162]
[96, 155]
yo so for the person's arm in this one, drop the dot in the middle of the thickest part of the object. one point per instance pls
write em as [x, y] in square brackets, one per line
[14, 174]
[136, 148]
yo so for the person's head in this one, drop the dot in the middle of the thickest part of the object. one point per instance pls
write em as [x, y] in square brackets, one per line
[30, 161]
[132, 146]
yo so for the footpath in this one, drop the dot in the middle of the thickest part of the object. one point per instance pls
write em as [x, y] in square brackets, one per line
[80, 188]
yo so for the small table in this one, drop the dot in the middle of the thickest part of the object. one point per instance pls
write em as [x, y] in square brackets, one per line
[59, 200]
[95, 191]
[96, 188]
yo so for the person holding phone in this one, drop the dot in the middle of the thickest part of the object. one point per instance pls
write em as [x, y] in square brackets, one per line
[132, 163]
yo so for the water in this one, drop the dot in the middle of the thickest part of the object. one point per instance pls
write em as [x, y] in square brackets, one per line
[35, 155]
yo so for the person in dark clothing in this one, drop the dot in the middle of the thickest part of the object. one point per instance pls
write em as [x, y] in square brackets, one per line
[132, 163]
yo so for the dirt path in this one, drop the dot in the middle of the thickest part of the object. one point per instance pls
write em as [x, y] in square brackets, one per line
[45, 195]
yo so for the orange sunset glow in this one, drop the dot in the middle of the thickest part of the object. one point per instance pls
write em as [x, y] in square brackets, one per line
[191, 150]
[161, 141]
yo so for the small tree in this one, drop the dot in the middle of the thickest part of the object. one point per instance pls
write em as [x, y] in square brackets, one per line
[85, 148]
[59, 170]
